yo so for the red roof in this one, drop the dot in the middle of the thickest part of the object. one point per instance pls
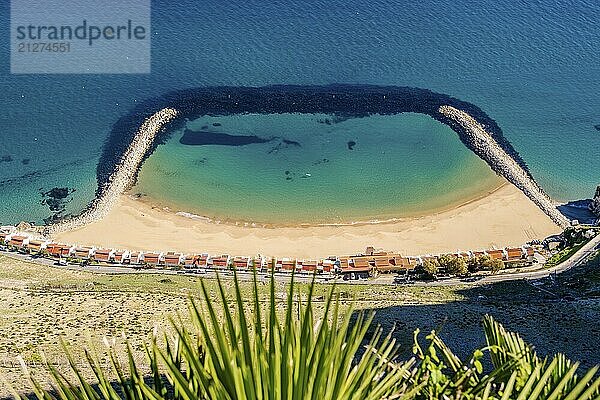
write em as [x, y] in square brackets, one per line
[17, 240]
[240, 262]
[34, 244]
[288, 264]
[82, 251]
[220, 261]
[514, 253]
[382, 261]
[497, 254]
[309, 265]
[172, 259]
[361, 262]
[57, 249]
[151, 258]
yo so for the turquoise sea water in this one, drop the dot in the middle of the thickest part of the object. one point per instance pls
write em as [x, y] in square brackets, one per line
[532, 66]
[390, 171]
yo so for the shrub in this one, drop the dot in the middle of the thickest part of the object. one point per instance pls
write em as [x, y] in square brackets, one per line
[454, 265]
[431, 267]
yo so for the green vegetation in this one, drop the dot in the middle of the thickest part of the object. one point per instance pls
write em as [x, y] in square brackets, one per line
[453, 265]
[575, 238]
[563, 255]
[228, 352]
[430, 268]
[485, 263]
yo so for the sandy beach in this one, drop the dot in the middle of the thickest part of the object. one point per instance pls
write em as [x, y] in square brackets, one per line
[501, 218]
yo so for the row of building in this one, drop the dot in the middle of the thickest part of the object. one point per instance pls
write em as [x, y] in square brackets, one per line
[364, 264]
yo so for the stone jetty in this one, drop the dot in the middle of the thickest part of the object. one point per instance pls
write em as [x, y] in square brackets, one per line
[595, 204]
[124, 174]
[135, 135]
[488, 149]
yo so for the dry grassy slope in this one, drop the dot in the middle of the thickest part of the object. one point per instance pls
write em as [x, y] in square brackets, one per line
[40, 305]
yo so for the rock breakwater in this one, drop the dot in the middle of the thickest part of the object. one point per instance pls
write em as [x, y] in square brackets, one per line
[595, 204]
[488, 149]
[135, 136]
[124, 173]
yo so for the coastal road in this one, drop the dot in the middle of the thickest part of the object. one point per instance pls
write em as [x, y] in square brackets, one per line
[576, 259]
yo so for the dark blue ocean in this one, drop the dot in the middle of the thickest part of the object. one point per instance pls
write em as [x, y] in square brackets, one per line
[533, 66]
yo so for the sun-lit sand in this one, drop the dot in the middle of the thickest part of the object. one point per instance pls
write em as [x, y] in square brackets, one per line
[503, 217]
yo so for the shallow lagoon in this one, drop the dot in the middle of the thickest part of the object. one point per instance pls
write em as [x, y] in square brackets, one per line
[309, 172]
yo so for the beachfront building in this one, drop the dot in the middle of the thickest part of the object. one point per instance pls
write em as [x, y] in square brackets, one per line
[82, 253]
[260, 263]
[241, 262]
[121, 256]
[273, 264]
[349, 267]
[519, 256]
[134, 258]
[36, 246]
[104, 256]
[58, 250]
[358, 267]
[152, 259]
[309, 265]
[18, 243]
[174, 260]
[495, 254]
[529, 254]
[201, 261]
[220, 262]
[404, 263]
[286, 265]
[328, 265]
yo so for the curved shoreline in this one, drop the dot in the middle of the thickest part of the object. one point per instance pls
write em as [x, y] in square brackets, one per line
[127, 148]
[504, 218]
[215, 220]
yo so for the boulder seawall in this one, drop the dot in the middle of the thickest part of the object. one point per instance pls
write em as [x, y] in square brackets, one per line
[124, 173]
[595, 204]
[488, 149]
[137, 134]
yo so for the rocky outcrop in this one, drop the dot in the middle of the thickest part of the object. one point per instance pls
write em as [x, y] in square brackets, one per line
[595, 204]
[488, 149]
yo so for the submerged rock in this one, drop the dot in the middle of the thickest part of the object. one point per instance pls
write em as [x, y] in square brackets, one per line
[203, 138]
[291, 142]
[58, 193]
[6, 158]
[322, 161]
[56, 199]
[283, 144]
